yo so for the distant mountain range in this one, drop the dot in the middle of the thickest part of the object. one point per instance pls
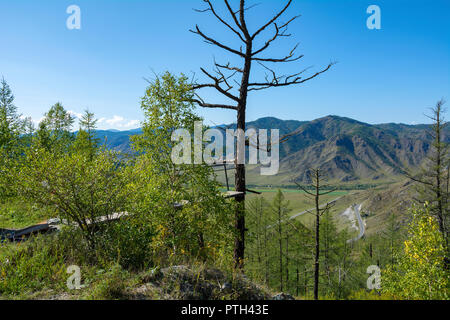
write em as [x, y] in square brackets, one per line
[117, 140]
[345, 149]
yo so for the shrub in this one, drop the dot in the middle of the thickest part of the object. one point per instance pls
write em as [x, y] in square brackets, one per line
[80, 188]
[111, 286]
[420, 272]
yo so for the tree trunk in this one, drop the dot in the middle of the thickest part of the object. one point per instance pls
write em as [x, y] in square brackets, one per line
[316, 259]
[239, 245]
[280, 241]
[287, 262]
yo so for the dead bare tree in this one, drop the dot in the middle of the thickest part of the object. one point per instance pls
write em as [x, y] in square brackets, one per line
[234, 82]
[317, 178]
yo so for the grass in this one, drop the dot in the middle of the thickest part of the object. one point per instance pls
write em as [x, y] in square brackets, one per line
[16, 213]
[36, 269]
[299, 201]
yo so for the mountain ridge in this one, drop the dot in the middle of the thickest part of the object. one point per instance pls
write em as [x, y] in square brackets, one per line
[345, 149]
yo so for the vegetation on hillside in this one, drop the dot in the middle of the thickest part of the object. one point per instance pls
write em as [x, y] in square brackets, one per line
[138, 225]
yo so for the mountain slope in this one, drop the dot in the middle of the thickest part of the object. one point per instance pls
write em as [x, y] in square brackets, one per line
[349, 150]
[345, 149]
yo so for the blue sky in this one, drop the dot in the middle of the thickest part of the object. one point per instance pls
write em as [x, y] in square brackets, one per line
[388, 75]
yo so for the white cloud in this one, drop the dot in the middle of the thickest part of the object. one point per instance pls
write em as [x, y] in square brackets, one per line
[115, 121]
[75, 114]
[118, 122]
[133, 124]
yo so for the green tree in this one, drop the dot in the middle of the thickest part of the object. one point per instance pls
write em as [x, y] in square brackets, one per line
[433, 178]
[258, 239]
[86, 137]
[54, 130]
[11, 126]
[420, 270]
[80, 189]
[43, 136]
[280, 210]
[317, 178]
[182, 202]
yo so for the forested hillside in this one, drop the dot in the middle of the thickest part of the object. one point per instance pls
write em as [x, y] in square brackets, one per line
[139, 226]
[356, 211]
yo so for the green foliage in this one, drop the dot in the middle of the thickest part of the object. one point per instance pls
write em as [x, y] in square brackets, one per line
[19, 213]
[280, 211]
[335, 259]
[291, 260]
[54, 131]
[128, 243]
[432, 181]
[111, 286]
[276, 246]
[34, 266]
[85, 140]
[419, 272]
[369, 295]
[79, 188]
[257, 266]
[11, 126]
[202, 227]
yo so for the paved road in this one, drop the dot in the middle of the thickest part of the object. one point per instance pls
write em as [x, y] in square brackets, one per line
[362, 226]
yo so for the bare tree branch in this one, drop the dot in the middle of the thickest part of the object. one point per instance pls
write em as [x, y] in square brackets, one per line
[287, 80]
[211, 8]
[203, 104]
[272, 20]
[210, 40]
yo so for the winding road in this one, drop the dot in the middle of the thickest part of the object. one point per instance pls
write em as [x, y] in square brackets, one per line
[362, 227]
[355, 208]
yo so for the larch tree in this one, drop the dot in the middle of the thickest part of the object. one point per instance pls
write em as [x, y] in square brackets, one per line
[319, 190]
[86, 139]
[280, 210]
[88, 122]
[234, 81]
[54, 129]
[11, 125]
[11, 128]
[433, 178]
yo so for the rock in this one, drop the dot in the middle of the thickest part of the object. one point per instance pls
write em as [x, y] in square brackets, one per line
[227, 287]
[283, 296]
